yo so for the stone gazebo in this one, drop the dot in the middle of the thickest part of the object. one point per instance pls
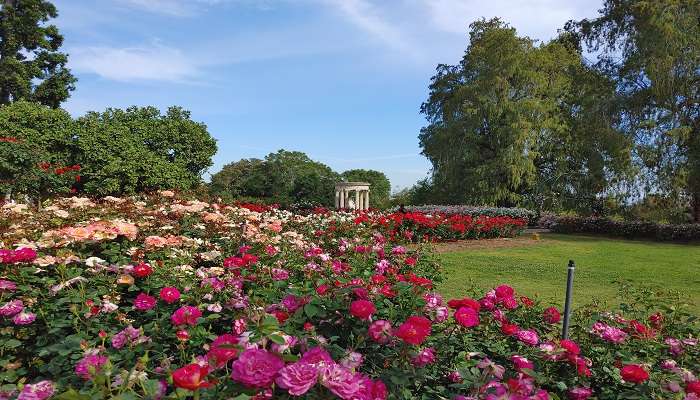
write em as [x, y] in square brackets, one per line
[343, 199]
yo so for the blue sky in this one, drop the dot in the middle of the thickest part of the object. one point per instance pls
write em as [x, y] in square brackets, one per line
[341, 80]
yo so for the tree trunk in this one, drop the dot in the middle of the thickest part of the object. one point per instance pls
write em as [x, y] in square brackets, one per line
[696, 207]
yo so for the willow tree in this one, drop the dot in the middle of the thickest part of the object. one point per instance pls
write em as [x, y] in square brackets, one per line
[506, 124]
[651, 49]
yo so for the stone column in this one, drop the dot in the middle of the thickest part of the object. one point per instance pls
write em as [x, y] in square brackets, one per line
[342, 198]
[362, 201]
[337, 199]
[367, 200]
[357, 199]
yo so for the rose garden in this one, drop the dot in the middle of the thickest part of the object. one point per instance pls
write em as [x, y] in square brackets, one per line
[550, 250]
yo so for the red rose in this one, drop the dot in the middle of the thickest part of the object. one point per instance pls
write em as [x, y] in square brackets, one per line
[634, 373]
[551, 315]
[656, 320]
[465, 302]
[467, 317]
[362, 309]
[570, 346]
[280, 315]
[414, 330]
[223, 349]
[693, 387]
[527, 302]
[142, 270]
[509, 329]
[191, 377]
[322, 290]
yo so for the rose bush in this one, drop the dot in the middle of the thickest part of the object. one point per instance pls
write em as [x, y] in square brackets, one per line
[164, 298]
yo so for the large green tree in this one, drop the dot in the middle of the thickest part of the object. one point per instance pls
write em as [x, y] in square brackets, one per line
[138, 149]
[511, 123]
[31, 67]
[239, 179]
[651, 49]
[380, 185]
[283, 177]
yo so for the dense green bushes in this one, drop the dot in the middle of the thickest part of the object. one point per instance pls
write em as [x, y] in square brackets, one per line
[626, 229]
[116, 152]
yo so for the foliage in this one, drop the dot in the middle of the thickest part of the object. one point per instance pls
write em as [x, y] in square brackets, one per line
[36, 150]
[231, 302]
[31, 67]
[139, 149]
[511, 124]
[651, 49]
[284, 177]
[238, 179]
[380, 186]
[627, 229]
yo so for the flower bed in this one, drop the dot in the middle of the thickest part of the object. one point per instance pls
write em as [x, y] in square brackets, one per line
[166, 298]
[421, 227]
[475, 211]
[627, 229]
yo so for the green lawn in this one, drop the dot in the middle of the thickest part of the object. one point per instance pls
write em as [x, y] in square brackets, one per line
[540, 268]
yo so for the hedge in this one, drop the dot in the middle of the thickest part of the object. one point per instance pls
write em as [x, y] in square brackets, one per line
[627, 229]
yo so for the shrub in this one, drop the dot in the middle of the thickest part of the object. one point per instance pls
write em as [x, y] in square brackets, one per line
[627, 229]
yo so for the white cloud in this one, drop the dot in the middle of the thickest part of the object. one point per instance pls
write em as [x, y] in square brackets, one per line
[153, 62]
[539, 19]
[364, 15]
[176, 8]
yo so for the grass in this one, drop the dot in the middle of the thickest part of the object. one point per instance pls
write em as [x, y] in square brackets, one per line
[539, 269]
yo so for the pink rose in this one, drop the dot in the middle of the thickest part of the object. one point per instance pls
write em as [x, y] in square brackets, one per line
[297, 378]
[24, 318]
[256, 368]
[169, 294]
[504, 292]
[522, 363]
[37, 391]
[316, 356]
[424, 357]
[144, 302]
[528, 337]
[467, 317]
[90, 366]
[185, 315]
[11, 308]
[580, 393]
[380, 331]
[341, 381]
